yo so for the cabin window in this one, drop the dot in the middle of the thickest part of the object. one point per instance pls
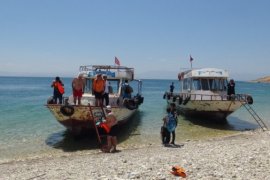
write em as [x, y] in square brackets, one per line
[114, 86]
[214, 84]
[223, 84]
[205, 85]
[88, 86]
[217, 84]
[185, 84]
[197, 84]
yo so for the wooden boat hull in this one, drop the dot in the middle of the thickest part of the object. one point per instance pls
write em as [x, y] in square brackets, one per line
[79, 118]
[216, 108]
[209, 109]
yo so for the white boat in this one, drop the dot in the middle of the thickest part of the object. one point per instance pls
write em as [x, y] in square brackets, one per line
[203, 94]
[78, 118]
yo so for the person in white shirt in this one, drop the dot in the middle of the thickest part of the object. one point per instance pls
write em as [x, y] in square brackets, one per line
[106, 91]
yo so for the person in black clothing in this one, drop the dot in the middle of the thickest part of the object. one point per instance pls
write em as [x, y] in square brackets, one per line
[172, 87]
[174, 113]
[231, 89]
[58, 90]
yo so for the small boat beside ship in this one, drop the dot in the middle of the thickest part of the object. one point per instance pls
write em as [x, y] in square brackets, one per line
[79, 118]
[203, 94]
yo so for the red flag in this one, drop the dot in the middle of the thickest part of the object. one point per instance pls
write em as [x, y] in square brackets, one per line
[116, 61]
[190, 58]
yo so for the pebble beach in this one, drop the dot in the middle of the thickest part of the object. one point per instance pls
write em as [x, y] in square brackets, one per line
[245, 155]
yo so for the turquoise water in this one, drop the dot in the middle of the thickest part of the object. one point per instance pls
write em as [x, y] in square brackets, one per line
[28, 129]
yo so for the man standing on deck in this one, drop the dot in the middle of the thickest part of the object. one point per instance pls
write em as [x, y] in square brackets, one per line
[78, 88]
[98, 89]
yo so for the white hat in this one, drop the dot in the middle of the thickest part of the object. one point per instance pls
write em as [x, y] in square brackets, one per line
[109, 108]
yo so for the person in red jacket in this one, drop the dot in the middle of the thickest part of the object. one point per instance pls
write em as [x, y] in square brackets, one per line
[58, 90]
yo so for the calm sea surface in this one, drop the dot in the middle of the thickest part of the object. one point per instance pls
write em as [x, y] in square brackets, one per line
[27, 128]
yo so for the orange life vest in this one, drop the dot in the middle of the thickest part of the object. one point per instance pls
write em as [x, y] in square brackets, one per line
[98, 85]
[60, 87]
[105, 127]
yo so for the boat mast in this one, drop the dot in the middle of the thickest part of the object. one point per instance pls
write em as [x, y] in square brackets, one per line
[190, 60]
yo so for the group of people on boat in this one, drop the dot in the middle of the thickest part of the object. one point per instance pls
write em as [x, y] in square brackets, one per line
[101, 90]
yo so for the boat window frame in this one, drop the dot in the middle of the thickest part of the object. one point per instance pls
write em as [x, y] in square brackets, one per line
[202, 84]
[193, 85]
[89, 85]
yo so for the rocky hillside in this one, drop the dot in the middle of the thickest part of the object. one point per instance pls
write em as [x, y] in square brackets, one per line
[263, 80]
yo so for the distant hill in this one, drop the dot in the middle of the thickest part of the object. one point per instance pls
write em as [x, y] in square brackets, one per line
[263, 80]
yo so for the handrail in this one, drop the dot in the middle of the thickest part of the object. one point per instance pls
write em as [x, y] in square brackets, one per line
[104, 67]
[211, 97]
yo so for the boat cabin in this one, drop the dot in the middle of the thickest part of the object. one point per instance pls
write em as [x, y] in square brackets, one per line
[204, 83]
[116, 76]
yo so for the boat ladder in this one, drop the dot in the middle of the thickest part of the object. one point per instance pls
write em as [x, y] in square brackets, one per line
[94, 124]
[255, 116]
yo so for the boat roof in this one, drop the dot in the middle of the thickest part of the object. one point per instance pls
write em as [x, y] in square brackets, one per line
[111, 71]
[205, 73]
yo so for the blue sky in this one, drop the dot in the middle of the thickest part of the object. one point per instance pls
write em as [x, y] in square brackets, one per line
[156, 37]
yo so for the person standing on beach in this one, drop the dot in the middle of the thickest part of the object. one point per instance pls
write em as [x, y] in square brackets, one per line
[171, 88]
[111, 121]
[58, 90]
[98, 89]
[106, 90]
[170, 124]
[174, 113]
[78, 84]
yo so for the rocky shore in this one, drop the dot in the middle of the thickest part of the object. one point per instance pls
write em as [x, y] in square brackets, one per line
[242, 156]
[262, 80]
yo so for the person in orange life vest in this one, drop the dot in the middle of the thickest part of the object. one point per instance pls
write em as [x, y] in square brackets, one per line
[111, 121]
[58, 90]
[98, 89]
[78, 84]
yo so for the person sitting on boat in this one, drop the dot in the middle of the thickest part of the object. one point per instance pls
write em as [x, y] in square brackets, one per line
[98, 88]
[126, 90]
[231, 89]
[78, 84]
[58, 90]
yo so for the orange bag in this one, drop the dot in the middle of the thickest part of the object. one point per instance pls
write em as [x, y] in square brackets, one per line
[105, 127]
[60, 88]
[178, 171]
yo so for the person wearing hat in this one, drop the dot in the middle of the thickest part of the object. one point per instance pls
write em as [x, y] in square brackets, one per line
[78, 85]
[98, 89]
[111, 121]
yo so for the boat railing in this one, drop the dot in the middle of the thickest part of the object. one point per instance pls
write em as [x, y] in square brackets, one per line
[208, 97]
[111, 71]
